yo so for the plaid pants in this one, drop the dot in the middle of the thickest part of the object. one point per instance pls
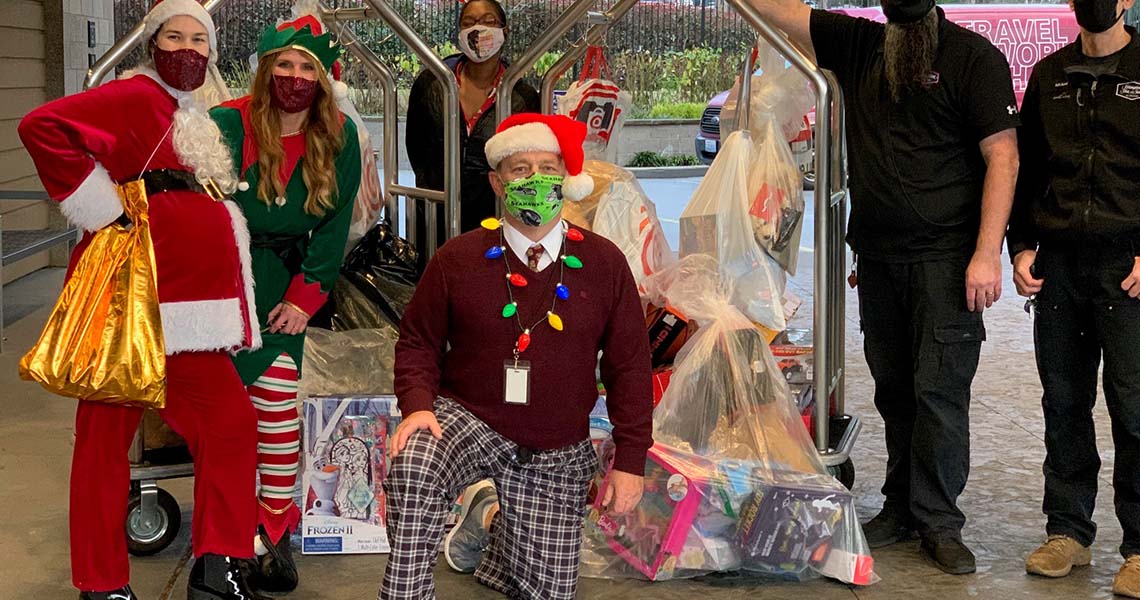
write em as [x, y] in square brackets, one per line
[536, 537]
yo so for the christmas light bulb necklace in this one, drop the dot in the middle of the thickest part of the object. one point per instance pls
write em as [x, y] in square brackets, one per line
[561, 292]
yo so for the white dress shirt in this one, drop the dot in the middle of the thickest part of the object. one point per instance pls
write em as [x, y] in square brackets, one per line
[551, 243]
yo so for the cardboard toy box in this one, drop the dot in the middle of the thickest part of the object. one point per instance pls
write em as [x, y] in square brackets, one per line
[668, 329]
[344, 463]
[652, 537]
[788, 528]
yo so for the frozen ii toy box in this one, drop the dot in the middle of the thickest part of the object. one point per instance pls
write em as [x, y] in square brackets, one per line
[344, 465]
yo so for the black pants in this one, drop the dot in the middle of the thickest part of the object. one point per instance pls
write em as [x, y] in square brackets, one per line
[1083, 314]
[922, 347]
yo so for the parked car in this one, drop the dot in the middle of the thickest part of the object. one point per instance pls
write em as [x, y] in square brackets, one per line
[1024, 33]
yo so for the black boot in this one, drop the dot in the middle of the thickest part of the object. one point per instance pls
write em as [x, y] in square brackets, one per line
[888, 527]
[123, 593]
[946, 550]
[216, 577]
[276, 571]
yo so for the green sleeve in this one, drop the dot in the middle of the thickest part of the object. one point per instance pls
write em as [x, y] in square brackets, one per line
[233, 132]
[325, 251]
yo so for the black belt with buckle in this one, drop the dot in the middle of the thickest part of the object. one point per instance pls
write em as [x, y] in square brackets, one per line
[158, 181]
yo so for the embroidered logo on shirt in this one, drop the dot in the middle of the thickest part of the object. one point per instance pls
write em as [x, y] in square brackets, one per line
[1011, 109]
[1129, 91]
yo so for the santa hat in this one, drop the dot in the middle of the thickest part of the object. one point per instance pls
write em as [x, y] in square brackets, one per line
[164, 10]
[533, 132]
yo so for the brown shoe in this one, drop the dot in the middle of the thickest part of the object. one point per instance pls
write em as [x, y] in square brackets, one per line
[1058, 555]
[1127, 582]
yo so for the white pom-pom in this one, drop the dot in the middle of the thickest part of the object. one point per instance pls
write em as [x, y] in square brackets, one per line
[577, 187]
[340, 90]
[243, 186]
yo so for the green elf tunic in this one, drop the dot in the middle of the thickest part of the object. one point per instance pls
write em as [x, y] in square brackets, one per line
[296, 256]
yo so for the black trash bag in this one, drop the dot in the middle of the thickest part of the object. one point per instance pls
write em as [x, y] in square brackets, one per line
[376, 282]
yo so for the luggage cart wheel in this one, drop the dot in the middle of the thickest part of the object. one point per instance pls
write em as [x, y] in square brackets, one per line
[153, 519]
[844, 472]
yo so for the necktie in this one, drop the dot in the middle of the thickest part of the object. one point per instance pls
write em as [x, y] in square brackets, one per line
[533, 256]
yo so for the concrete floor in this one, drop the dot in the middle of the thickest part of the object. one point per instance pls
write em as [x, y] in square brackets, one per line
[1002, 500]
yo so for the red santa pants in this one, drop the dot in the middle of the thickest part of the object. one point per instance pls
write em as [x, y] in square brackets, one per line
[208, 406]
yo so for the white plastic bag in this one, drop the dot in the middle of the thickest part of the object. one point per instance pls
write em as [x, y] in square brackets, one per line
[776, 209]
[598, 102]
[628, 218]
[370, 197]
[716, 222]
[734, 480]
[779, 93]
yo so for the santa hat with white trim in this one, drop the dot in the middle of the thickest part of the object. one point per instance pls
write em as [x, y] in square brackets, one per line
[533, 132]
[164, 10]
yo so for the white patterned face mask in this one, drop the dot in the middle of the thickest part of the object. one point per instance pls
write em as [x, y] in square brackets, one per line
[480, 42]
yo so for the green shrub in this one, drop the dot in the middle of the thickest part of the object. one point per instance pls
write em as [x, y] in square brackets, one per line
[649, 158]
[677, 110]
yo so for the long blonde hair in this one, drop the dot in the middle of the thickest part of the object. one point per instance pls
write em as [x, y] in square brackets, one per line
[324, 138]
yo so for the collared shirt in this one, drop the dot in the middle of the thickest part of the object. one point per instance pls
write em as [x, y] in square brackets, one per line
[551, 243]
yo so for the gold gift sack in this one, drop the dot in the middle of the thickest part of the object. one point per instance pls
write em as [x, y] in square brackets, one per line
[103, 341]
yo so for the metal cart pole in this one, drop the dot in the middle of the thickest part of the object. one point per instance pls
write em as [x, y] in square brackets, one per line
[553, 34]
[830, 201]
[596, 34]
[390, 147]
[450, 195]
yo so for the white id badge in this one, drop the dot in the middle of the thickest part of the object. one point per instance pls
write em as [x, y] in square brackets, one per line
[516, 382]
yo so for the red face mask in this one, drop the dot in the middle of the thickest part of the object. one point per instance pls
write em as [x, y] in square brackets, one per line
[183, 70]
[292, 94]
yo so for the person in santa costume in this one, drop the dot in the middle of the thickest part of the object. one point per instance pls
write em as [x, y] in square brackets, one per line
[495, 378]
[149, 127]
[300, 167]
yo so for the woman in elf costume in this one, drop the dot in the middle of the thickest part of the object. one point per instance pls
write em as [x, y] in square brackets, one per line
[150, 128]
[299, 161]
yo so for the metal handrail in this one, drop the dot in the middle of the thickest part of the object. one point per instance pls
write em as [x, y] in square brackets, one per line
[594, 35]
[828, 351]
[450, 127]
[111, 59]
[339, 19]
[553, 34]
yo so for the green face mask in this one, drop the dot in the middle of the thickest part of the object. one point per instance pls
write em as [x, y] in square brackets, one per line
[536, 200]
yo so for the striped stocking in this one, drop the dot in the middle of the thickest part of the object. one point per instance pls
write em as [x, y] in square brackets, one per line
[274, 396]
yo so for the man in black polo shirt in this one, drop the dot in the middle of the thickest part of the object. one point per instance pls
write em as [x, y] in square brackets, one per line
[932, 151]
[1075, 242]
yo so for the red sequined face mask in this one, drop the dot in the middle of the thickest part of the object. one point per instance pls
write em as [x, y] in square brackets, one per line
[292, 94]
[183, 70]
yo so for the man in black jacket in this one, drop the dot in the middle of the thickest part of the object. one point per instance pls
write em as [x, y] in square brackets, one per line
[1075, 242]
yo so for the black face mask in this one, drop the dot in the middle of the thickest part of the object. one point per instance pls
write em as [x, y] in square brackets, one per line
[1096, 16]
[906, 11]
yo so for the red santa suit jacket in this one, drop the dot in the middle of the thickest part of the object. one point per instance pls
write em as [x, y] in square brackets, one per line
[84, 144]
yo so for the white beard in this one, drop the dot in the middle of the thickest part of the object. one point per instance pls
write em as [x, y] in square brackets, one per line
[197, 140]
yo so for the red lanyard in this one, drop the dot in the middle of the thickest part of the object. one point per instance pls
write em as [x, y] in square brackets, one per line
[473, 119]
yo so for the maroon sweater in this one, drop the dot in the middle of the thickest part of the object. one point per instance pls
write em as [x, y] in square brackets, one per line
[453, 341]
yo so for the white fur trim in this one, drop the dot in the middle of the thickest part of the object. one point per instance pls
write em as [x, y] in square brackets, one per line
[577, 187]
[166, 9]
[241, 236]
[95, 204]
[202, 325]
[340, 90]
[528, 137]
